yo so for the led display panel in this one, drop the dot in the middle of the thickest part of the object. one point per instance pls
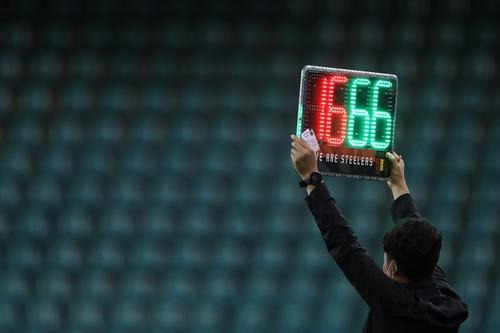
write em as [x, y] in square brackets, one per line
[353, 115]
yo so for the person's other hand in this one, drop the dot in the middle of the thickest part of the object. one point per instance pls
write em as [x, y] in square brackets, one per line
[397, 182]
[303, 158]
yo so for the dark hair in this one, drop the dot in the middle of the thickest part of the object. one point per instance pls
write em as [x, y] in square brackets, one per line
[415, 245]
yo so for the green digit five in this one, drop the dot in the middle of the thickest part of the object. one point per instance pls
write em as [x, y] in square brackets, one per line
[357, 112]
[368, 129]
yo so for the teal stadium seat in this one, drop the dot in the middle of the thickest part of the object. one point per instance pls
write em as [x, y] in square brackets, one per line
[87, 315]
[65, 255]
[15, 286]
[11, 65]
[24, 255]
[44, 315]
[10, 316]
[47, 65]
[56, 34]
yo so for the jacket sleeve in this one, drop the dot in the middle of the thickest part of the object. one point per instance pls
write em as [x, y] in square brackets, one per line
[404, 207]
[370, 282]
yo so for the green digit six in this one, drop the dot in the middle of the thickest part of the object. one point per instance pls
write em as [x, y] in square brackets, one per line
[382, 115]
[357, 112]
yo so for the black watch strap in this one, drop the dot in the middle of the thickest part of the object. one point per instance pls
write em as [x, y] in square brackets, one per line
[314, 179]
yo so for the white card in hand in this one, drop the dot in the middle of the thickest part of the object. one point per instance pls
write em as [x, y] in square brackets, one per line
[309, 137]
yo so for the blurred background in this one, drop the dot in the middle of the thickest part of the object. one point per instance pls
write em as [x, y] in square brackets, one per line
[145, 176]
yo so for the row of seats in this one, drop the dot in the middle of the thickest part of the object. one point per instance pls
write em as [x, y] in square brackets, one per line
[49, 65]
[145, 180]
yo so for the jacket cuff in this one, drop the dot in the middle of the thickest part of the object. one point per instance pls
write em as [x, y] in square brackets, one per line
[318, 197]
[402, 199]
[402, 204]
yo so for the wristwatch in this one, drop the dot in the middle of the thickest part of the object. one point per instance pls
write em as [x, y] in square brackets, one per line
[314, 179]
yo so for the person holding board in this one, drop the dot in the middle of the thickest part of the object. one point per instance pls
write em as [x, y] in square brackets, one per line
[410, 293]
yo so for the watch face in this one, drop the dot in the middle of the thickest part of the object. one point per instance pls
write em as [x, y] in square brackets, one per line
[316, 178]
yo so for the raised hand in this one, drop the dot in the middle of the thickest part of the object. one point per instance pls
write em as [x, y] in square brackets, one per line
[397, 182]
[303, 157]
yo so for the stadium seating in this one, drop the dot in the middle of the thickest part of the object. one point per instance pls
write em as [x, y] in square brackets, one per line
[145, 181]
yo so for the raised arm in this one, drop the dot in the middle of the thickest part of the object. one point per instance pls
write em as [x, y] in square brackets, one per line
[397, 181]
[405, 207]
[378, 290]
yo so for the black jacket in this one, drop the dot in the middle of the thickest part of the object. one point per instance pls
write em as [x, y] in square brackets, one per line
[425, 305]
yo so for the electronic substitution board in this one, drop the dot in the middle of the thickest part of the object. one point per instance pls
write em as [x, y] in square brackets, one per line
[352, 114]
